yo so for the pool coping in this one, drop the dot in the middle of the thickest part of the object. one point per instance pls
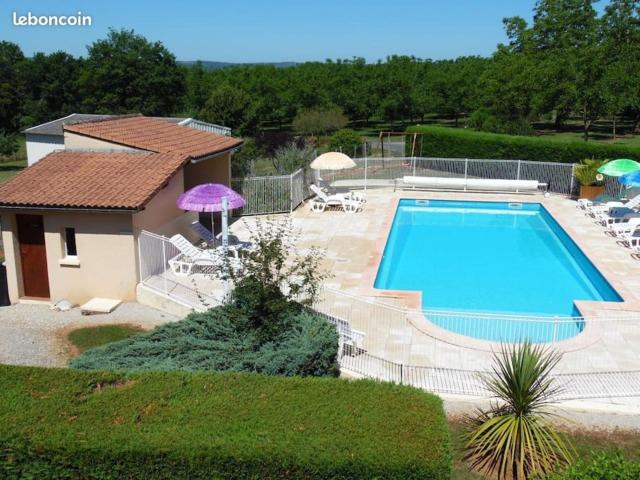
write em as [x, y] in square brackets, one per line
[412, 299]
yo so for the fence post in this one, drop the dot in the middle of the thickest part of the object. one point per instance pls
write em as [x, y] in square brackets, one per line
[291, 193]
[518, 175]
[466, 168]
[573, 174]
[164, 267]
[140, 257]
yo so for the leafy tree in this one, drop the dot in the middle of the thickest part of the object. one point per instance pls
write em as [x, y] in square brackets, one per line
[276, 274]
[9, 144]
[513, 438]
[242, 162]
[11, 60]
[50, 87]
[620, 36]
[126, 73]
[232, 107]
[319, 121]
[346, 140]
[197, 88]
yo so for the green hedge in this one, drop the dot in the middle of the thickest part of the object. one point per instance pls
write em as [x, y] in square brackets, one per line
[603, 467]
[58, 424]
[459, 143]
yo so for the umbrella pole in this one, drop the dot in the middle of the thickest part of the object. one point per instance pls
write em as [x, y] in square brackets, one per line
[213, 231]
[225, 243]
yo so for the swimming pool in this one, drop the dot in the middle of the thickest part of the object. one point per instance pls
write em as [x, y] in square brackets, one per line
[491, 258]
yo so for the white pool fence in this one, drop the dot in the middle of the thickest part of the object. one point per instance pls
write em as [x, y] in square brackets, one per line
[433, 350]
[284, 193]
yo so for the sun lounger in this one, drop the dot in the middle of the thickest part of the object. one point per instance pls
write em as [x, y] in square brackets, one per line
[323, 200]
[620, 229]
[235, 244]
[597, 209]
[191, 256]
[631, 238]
[583, 203]
[616, 215]
[347, 335]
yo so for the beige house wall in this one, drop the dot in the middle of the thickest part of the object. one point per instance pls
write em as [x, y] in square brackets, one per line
[162, 215]
[213, 170]
[106, 261]
[81, 142]
[11, 256]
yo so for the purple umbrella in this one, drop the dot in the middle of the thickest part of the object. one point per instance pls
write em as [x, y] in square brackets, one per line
[208, 198]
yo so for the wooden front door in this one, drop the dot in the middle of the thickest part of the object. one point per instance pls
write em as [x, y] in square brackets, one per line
[33, 256]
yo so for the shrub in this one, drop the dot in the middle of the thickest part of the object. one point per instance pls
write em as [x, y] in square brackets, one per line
[57, 423]
[346, 141]
[459, 143]
[222, 339]
[603, 467]
[289, 158]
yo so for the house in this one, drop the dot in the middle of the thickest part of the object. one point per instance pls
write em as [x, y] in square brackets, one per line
[71, 221]
[48, 137]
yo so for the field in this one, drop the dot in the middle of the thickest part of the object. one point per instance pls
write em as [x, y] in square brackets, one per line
[10, 166]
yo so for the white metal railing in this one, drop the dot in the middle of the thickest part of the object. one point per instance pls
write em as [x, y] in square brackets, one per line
[154, 253]
[272, 194]
[558, 176]
[284, 193]
[207, 127]
[602, 362]
[443, 352]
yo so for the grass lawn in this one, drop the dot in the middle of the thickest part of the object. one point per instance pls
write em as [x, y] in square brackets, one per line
[10, 168]
[89, 337]
[585, 444]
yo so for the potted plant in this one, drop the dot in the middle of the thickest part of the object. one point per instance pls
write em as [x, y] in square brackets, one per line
[591, 182]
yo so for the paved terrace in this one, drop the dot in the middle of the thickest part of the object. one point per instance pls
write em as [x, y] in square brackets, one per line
[354, 242]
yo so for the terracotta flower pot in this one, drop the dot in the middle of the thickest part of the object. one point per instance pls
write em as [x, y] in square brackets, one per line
[591, 191]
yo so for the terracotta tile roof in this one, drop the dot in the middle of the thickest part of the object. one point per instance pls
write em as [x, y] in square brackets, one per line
[155, 135]
[94, 180]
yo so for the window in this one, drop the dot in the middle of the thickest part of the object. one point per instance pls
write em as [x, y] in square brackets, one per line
[70, 242]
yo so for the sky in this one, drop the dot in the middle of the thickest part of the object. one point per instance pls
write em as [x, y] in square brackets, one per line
[276, 30]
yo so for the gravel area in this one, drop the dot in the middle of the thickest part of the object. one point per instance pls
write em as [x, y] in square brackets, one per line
[34, 335]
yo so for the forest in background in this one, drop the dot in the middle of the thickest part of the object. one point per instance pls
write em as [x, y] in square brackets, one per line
[570, 68]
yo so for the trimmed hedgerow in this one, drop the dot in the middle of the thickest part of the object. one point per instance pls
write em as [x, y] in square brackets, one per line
[604, 466]
[57, 423]
[223, 339]
[458, 143]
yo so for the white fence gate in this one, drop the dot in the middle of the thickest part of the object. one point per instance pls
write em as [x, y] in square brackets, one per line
[273, 194]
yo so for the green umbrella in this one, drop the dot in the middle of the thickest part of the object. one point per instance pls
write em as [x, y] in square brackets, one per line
[617, 168]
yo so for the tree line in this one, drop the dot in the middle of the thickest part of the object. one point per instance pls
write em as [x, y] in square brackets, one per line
[570, 62]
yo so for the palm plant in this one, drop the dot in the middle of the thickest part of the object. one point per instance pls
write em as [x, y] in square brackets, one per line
[587, 172]
[513, 439]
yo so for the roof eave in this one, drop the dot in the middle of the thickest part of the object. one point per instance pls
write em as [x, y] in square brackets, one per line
[71, 209]
[209, 156]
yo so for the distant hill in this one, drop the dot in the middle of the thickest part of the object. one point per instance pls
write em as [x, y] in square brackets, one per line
[208, 65]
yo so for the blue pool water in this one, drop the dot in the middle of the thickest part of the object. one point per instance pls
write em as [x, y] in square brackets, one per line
[493, 258]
